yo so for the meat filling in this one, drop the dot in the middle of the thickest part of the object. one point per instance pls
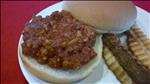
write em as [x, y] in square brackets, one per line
[59, 40]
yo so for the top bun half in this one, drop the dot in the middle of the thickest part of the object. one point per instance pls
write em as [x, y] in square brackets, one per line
[105, 16]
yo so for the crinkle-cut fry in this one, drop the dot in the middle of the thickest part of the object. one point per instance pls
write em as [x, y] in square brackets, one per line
[139, 51]
[139, 73]
[140, 34]
[116, 68]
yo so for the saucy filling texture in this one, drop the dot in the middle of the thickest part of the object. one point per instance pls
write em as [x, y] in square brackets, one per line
[59, 40]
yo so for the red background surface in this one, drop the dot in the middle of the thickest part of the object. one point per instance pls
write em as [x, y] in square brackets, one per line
[14, 14]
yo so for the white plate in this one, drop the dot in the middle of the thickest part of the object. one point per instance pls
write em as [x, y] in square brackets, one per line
[98, 76]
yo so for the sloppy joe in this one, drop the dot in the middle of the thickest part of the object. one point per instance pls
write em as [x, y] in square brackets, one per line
[59, 40]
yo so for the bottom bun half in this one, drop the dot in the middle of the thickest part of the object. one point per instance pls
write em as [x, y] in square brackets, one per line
[48, 74]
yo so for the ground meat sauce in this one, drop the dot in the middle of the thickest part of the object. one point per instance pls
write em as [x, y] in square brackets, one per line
[59, 40]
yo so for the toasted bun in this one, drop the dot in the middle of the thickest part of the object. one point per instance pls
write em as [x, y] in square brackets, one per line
[48, 74]
[105, 16]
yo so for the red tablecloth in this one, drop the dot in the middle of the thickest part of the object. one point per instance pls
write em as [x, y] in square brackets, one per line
[14, 14]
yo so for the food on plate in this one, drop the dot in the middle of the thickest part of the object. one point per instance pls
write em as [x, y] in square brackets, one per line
[116, 68]
[142, 38]
[138, 44]
[66, 46]
[105, 16]
[130, 63]
[59, 41]
[59, 48]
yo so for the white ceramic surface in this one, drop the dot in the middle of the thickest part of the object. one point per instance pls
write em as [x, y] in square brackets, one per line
[143, 21]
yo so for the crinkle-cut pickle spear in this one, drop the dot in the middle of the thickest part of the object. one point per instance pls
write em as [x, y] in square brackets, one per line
[134, 68]
[116, 67]
[140, 35]
[138, 49]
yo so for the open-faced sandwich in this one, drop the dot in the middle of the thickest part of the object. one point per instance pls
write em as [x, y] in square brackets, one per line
[66, 46]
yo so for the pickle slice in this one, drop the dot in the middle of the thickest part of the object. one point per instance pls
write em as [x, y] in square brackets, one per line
[138, 44]
[116, 67]
[140, 35]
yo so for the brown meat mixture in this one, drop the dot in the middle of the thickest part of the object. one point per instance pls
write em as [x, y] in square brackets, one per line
[59, 40]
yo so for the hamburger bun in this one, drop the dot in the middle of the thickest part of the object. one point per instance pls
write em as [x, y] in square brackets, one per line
[105, 16]
[48, 74]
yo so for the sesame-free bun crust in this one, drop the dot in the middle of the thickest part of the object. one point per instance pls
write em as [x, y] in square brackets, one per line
[105, 16]
[48, 74]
